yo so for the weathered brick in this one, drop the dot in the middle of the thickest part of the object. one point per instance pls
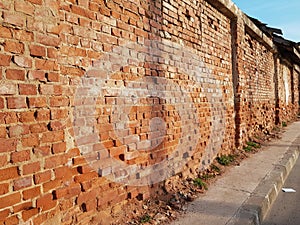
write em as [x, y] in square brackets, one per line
[31, 140]
[37, 50]
[5, 32]
[27, 89]
[5, 59]
[21, 61]
[14, 47]
[8, 145]
[43, 115]
[14, 74]
[4, 188]
[27, 214]
[21, 156]
[8, 88]
[31, 168]
[46, 202]
[18, 130]
[25, 7]
[8, 173]
[22, 183]
[27, 116]
[14, 18]
[37, 102]
[31, 193]
[42, 177]
[10, 200]
[16, 102]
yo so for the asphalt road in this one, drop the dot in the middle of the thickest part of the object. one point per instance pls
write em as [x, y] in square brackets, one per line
[286, 208]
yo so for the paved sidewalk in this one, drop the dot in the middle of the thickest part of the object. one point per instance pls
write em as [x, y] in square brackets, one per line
[245, 193]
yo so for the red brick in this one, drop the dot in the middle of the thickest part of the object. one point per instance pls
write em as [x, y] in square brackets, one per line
[5, 32]
[2, 105]
[22, 183]
[16, 102]
[3, 160]
[31, 168]
[38, 2]
[48, 40]
[5, 59]
[22, 206]
[31, 193]
[37, 102]
[8, 173]
[55, 161]
[27, 89]
[46, 202]
[38, 128]
[14, 47]
[85, 177]
[42, 150]
[54, 184]
[42, 64]
[10, 200]
[68, 192]
[37, 50]
[53, 77]
[59, 147]
[25, 7]
[57, 125]
[63, 173]
[20, 156]
[27, 214]
[13, 74]
[46, 89]
[8, 88]
[4, 188]
[14, 18]
[22, 61]
[8, 145]
[52, 136]
[59, 101]
[13, 220]
[23, 35]
[37, 75]
[18, 130]
[31, 140]
[43, 115]
[72, 71]
[42, 177]
[59, 113]
[3, 132]
[3, 215]
[52, 53]
[8, 117]
[25, 117]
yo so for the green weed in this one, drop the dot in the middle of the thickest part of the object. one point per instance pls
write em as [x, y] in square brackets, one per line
[225, 160]
[200, 183]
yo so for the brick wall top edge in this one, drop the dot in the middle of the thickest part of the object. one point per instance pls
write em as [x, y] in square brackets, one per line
[231, 10]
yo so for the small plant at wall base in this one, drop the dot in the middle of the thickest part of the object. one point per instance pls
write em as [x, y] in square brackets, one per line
[247, 148]
[200, 183]
[145, 219]
[253, 144]
[284, 124]
[225, 160]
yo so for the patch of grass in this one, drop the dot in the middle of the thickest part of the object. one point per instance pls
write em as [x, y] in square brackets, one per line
[284, 124]
[225, 160]
[207, 176]
[200, 183]
[145, 219]
[248, 148]
[215, 168]
[253, 144]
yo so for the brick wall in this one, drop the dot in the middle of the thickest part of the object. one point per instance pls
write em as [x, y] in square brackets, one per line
[101, 101]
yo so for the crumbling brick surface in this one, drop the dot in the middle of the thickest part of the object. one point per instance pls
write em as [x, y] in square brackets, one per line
[94, 93]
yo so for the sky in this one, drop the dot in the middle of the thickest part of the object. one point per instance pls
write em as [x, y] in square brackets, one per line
[284, 15]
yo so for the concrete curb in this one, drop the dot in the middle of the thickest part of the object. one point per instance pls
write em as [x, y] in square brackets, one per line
[256, 207]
